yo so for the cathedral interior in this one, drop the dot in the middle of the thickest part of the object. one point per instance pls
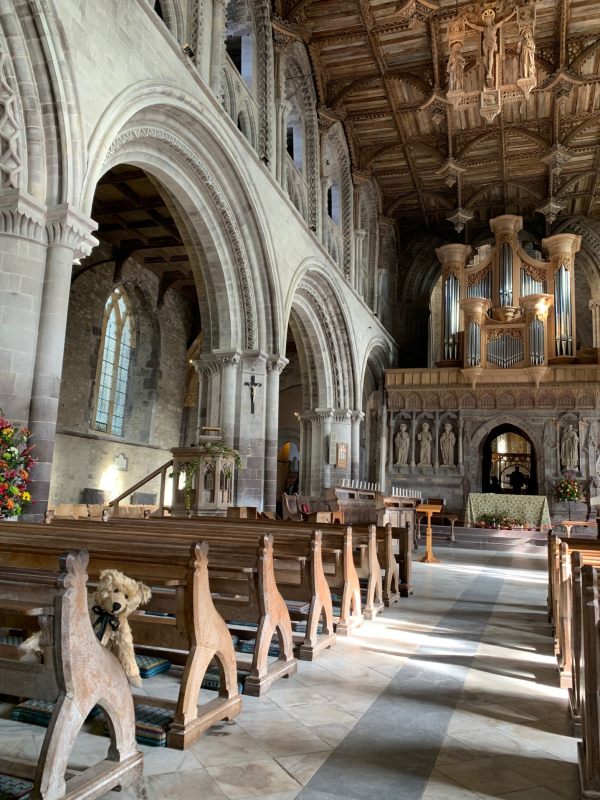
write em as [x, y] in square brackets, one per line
[318, 246]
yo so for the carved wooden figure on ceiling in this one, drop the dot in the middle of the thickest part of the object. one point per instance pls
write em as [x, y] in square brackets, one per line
[489, 29]
[456, 68]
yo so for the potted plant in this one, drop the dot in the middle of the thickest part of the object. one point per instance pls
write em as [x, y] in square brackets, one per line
[15, 464]
[567, 490]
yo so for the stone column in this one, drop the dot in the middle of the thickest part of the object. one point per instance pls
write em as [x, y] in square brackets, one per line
[326, 415]
[355, 420]
[229, 362]
[304, 454]
[436, 439]
[282, 110]
[461, 431]
[594, 306]
[390, 440]
[22, 266]
[359, 239]
[385, 420]
[413, 440]
[217, 44]
[69, 237]
[275, 366]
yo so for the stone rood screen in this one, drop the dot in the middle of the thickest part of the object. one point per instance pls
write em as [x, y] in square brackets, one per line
[503, 308]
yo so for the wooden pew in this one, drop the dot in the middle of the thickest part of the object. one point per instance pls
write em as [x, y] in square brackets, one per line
[337, 553]
[589, 746]
[298, 565]
[76, 674]
[180, 586]
[242, 575]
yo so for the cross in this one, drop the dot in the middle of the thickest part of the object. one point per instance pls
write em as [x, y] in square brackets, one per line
[253, 387]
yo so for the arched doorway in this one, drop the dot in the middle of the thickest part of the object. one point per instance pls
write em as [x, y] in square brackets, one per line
[507, 452]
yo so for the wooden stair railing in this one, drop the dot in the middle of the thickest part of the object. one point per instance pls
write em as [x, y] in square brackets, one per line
[162, 471]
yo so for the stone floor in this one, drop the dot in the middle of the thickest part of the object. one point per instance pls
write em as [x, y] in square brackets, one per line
[451, 695]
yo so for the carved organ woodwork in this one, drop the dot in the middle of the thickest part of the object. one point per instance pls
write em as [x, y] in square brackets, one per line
[505, 308]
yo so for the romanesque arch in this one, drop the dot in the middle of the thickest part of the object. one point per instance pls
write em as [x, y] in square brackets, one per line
[168, 140]
[49, 166]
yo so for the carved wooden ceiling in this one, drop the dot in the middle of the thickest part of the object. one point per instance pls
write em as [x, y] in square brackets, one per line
[381, 68]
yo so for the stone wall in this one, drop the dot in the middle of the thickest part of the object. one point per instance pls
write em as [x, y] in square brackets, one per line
[154, 402]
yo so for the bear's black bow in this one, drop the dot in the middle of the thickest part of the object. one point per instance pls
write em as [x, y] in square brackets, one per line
[104, 619]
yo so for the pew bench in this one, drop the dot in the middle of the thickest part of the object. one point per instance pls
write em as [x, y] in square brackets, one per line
[194, 637]
[76, 673]
[245, 570]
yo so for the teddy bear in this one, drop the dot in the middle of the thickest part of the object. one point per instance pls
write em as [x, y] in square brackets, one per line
[115, 599]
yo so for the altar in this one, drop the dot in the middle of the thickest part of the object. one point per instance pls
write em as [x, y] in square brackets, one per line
[532, 509]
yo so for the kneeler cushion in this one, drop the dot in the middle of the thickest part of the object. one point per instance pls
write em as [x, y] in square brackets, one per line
[14, 788]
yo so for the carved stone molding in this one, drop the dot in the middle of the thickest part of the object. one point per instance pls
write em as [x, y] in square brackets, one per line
[11, 163]
[223, 208]
[22, 215]
[330, 334]
[276, 364]
[68, 228]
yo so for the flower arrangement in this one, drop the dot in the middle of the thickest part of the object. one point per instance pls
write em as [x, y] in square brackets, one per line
[500, 521]
[567, 489]
[15, 463]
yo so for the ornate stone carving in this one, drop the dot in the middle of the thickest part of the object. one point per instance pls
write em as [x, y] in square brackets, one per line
[22, 215]
[265, 84]
[222, 206]
[67, 228]
[11, 164]
[330, 335]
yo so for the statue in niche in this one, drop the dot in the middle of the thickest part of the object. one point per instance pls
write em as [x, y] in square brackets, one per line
[401, 442]
[456, 68]
[425, 445]
[489, 31]
[447, 443]
[569, 449]
[526, 51]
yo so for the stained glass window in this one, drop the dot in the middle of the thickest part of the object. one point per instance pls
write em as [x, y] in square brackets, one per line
[113, 368]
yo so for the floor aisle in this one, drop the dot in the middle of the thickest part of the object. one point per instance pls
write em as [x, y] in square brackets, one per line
[451, 695]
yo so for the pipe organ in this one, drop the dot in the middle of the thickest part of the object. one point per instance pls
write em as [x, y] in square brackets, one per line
[503, 308]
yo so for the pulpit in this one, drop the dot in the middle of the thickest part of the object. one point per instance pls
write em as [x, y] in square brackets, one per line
[203, 478]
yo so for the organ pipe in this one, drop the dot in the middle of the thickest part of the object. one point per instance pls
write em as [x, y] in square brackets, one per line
[563, 315]
[451, 317]
[506, 275]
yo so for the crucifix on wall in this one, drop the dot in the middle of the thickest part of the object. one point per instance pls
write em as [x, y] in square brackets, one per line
[253, 386]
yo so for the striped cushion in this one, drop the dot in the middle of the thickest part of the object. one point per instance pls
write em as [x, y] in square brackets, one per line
[152, 665]
[14, 788]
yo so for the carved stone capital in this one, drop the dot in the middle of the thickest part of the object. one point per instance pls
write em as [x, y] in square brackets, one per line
[276, 364]
[22, 215]
[68, 228]
[228, 358]
[357, 416]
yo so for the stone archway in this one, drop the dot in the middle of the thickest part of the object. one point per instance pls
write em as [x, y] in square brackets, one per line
[520, 456]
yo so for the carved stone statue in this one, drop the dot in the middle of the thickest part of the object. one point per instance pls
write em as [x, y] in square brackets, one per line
[526, 51]
[569, 449]
[447, 442]
[425, 445]
[489, 29]
[456, 68]
[401, 443]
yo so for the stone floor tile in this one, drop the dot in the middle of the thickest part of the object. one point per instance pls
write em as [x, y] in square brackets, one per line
[255, 779]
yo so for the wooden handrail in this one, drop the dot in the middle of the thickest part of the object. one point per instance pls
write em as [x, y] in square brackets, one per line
[114, 503]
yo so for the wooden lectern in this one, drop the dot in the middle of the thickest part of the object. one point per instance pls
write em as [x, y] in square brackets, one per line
[430, 509]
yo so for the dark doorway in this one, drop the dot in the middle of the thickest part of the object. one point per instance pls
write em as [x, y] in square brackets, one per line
[509, 463]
